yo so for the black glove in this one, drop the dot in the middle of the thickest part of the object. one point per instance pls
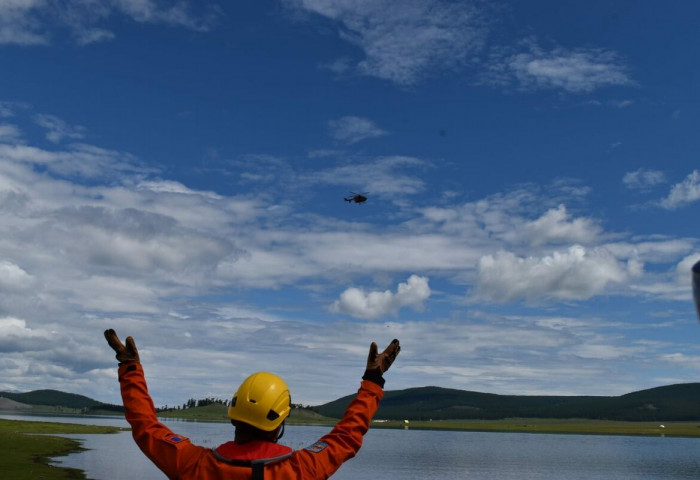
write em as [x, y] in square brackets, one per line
[378, 363]
[125, 354]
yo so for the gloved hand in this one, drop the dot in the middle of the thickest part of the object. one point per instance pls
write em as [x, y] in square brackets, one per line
[378, 363]
[125, 354]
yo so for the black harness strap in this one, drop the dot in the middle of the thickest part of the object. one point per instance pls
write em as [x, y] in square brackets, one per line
[258, 466]
[258, 471]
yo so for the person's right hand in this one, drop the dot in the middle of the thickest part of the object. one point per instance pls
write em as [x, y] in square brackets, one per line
[125, 353]
[382, 361]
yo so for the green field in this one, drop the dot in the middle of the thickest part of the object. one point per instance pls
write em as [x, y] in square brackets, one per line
[558, 426]
[25, 455]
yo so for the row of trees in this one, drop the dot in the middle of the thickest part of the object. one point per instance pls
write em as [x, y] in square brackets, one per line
[203, 402]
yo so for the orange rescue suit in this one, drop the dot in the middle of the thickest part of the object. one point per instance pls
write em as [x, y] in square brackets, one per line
[178, 458]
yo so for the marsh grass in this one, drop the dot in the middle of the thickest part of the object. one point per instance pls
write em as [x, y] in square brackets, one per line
[558, 426]
[27, 447]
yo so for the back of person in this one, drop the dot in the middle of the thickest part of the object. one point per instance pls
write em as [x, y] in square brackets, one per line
[259, 457]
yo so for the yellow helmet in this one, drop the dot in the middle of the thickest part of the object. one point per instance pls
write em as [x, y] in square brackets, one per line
[262, 400]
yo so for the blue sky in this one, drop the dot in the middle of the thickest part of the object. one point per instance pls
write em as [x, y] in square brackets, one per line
[176, 171]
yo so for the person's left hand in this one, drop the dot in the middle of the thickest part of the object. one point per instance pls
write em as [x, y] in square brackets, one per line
[125, 353]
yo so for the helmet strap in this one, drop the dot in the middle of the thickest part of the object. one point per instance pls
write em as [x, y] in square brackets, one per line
[281, 433]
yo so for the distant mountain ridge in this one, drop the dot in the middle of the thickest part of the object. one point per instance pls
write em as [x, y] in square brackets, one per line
[680, 402]
[56, 398]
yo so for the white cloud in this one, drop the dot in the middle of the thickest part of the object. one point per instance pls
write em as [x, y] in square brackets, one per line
[354, 129]
[684, 267]
[374, 305]
[18, 23]
[6, 109]
[605, 351]
[554, 226]
[575, 274]
[572, 70]
[622, 103]
[508, 217]
[57, 129]
[659, 250]
[16, 327]
[672, 285]
[406, 44]
[169, 186]
[35, 22]
[13, 277]
[643, 179]
[681, 194]
[80, 160]
[9, 133]
[386, 177]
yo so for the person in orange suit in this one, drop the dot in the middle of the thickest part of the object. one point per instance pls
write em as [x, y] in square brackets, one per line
[258, 410]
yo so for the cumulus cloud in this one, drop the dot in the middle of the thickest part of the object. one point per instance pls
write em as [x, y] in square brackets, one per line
[12, 329]
[354, 129]
[35, 22]
[575, 274]
[572, 70]
[372, 305]
[508, 217]
[13, 277]
[684, 267]
[643, 179]
[404, 45]
[555, 226]
[684, 193]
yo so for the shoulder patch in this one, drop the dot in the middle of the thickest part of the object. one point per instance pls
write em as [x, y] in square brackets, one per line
[317, 447]
[174, 438]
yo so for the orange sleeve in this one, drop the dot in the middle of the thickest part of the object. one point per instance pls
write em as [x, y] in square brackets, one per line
[172, 453]
[322, 459]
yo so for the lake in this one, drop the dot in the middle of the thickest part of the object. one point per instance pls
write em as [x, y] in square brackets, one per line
[424, 455]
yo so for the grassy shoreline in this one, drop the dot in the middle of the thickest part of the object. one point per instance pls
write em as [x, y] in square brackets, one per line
[26, 448]
[555, 426]
[217, 413]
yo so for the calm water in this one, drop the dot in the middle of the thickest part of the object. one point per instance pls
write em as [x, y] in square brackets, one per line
[427, 455]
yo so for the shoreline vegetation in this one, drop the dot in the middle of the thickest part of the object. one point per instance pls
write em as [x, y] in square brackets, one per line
[28, 447]
[303, 416]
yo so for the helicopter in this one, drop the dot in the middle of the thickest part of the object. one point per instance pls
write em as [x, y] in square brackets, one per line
[356, 197]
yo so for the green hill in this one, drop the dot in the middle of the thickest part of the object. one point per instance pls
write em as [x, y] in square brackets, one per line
[56, 398]
[679, 402]
[674, 402]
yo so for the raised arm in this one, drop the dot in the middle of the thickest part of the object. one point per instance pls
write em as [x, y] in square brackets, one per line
[170, 452]
[323, 458]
